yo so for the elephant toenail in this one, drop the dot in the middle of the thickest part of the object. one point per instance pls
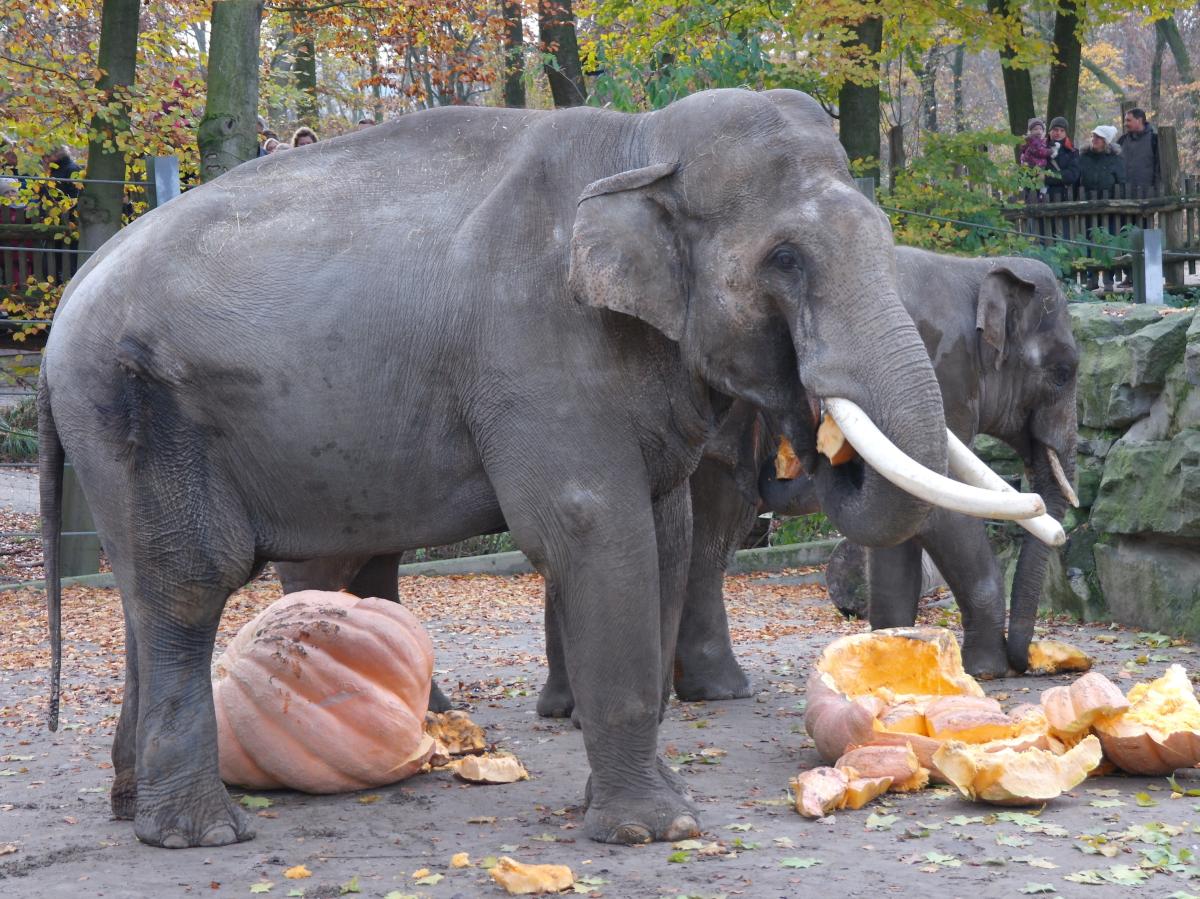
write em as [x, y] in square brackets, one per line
[630, 833]
[682, 828]
[219, 835]
[174, 840]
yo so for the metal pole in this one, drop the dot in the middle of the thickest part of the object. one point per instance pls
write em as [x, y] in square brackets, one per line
[79, 554]
[1148, 266]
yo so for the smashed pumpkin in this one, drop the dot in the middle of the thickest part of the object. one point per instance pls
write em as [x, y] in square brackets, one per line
[1007, 776]
[324, 693]
[1159, 732]
[1070, 710]
[1056, 657]
[872, 684]
[519, 879]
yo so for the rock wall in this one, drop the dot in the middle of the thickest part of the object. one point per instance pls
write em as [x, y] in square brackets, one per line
[1133, 550]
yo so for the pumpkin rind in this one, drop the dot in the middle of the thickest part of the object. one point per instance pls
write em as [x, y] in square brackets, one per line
[1071, 710]
[1016, 777]
[324, 693]
[1160, 731]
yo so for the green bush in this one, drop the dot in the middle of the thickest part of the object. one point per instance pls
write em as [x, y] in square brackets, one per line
[18, 432]
[802, 529]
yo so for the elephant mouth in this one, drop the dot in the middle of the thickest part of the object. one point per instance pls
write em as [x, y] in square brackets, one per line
[849, 441]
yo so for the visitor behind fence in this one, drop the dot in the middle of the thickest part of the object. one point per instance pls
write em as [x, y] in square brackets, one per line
[1036, 149]
[1062, 172]
[1139, 147]
[303, 136]
[1101, 167]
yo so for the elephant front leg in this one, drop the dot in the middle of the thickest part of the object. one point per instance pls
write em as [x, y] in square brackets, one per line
[959, 547]
[894, 584]
[180, 799]
[705, 665]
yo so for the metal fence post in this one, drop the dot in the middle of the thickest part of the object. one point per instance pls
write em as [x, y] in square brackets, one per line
[79, 554]
[1148, 266]
[162, 179]
[866, 187]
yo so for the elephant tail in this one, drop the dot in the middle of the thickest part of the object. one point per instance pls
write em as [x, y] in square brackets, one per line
[50, 487]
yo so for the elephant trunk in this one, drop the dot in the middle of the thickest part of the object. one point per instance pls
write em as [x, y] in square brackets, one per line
[1031, 563]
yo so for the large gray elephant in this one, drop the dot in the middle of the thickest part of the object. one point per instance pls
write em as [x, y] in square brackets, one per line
[999, 335]
[429, 377]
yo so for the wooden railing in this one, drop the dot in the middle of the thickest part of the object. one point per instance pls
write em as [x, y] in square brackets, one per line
[30, 249]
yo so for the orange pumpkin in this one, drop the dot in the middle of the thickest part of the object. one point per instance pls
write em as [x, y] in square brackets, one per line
[1159, 732]
[325, 693]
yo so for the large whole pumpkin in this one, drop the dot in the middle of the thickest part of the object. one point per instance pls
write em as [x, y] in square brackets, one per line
[324, 692]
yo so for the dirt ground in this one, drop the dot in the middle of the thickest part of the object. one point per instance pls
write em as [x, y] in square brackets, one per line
[57, 837]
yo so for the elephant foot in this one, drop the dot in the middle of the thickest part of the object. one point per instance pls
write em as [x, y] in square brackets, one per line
[663, 813]
[193, 818]
[556, 700]
[438, 701]
[985, 659]
[711, 680]
[124, 795]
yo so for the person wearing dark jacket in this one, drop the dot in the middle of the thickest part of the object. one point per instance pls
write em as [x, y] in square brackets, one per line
[1139, 147]
[1062, 172]
[1101, 167]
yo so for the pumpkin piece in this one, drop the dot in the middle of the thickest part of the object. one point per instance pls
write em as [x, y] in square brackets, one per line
[1029, 718]
[832, 443]
[897, 762]
[1056, 657]
[456, 732]
[898, 662]
[530, 880]
[904, 718]
[460, 860]
[325, 693]
[1160, 731]
[836, 721]
[820, 791]
[1011, 777]
[491, 769]
[923, 747]
[969, 719]
[787, 463]
[1071, 710]
[861, 790]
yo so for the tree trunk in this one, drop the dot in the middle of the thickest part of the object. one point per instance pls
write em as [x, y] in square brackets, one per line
[556, 33]
[960, 118]
[306, 79]
[228, 132]
[514, 54]
[1183, 61]
[858, 105]
[100, 204]
[1063, 99]
[281, 73]
[376, 88]
[1160, 44]
[895, 154]
[926, 71]
[1018, 88]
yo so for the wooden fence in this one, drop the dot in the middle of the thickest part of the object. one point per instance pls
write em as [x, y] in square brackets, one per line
[29, 249]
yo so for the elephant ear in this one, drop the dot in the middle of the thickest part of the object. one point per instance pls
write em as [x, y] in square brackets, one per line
[625, 250]
[1002, 295]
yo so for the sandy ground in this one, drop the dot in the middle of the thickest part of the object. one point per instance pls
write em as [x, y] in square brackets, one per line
[57, 837]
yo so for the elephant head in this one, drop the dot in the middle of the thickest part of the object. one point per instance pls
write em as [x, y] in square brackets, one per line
[1027, 362]
[743, 240]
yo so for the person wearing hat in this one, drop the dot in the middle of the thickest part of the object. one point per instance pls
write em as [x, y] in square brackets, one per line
[1035, 151]
[1100, 165]
[1062, 171]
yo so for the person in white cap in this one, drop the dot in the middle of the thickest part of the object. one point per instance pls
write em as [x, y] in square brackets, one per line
[1100, 164]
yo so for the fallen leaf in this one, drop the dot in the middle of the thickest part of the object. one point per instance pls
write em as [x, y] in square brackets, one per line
[1105, 803]
[678, 858]
[368, 800]
[261, 887]
[396, 894]
[1036, 861]
[688, 845]
[800, 863]
[1012, 840]
[482, 819]
[460, 860]
[256, 802]
[70, 819]
[430, 880]
[295, 891]
[298, 872]
[876, 821]
[1031, 888]
[350, 886]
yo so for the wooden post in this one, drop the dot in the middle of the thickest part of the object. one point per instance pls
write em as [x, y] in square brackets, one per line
[1174, 224]
[78, 554]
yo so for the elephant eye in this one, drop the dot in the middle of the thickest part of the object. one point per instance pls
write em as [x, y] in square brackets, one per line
[785, 258]
[1062, 375]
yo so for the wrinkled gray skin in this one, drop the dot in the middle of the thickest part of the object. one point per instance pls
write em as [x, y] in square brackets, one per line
[1001, 343]
[463, 319]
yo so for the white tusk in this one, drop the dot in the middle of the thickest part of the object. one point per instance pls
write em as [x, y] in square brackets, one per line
[1061, 476]
[909, 475]
[966, 465]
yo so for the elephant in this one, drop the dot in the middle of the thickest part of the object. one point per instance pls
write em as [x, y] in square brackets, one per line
[535, 320]
[999, 335]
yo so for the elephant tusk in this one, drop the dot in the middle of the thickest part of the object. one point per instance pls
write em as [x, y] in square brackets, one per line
[909, 475]
[966, 465]
[1061, 477]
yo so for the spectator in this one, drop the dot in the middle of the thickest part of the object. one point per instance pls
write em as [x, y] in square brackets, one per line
[303, 136]
[9, 165]
[365, 122]
[261, 125]
[59, 164]
[1100, 165]
[1062, 171]
[1036, 150]
[271, 144]
[1139, 146]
